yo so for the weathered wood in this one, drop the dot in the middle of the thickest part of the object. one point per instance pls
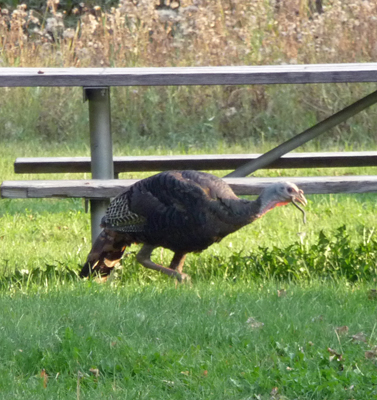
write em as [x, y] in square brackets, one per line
[197, 162]
[99, 189]
[234, 75]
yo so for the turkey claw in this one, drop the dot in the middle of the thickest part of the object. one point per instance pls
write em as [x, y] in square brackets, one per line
[183, 278]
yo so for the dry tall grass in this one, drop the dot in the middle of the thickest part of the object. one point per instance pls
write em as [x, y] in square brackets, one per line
[192, 32]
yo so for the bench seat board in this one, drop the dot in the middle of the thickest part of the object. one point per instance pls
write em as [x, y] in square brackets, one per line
[197, 162]
[242, 186]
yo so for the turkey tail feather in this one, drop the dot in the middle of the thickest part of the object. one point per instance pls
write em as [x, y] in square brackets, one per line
[106, 253]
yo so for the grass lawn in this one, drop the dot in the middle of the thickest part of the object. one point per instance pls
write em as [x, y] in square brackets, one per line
[209, 341]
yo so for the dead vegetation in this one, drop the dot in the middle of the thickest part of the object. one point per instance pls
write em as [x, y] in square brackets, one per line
[190, 32]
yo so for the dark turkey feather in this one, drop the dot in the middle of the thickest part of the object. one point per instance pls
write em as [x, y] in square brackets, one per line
[183, 211]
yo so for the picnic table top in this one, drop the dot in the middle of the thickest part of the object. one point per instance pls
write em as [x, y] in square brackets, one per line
[222, 75]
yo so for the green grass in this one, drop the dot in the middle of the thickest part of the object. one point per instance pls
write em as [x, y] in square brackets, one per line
[152, 342]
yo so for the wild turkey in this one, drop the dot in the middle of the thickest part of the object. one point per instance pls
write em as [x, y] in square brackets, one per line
[184, 211]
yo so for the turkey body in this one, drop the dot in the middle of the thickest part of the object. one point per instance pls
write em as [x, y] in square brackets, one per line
[180, 210]
[184, 211]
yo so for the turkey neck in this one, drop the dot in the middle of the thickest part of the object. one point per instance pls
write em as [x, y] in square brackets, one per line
[239, 212]
[242, 212]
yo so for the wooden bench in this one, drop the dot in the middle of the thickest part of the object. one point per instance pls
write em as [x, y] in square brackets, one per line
[197, 162]
[100, 189]
[103, 189]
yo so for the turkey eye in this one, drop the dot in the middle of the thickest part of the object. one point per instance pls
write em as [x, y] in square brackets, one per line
[290, 190]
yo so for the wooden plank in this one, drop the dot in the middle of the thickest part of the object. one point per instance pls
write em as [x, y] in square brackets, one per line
[226, 75]
[197, 162]
[251, 186]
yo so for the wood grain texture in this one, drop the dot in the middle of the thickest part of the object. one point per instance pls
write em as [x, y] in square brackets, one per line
[227, 75]
[197, 162]
[99, 189]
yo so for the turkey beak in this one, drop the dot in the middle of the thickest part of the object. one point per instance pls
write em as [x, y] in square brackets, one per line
[299, 197]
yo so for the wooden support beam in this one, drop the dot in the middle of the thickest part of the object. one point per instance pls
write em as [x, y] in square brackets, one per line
[305, 136]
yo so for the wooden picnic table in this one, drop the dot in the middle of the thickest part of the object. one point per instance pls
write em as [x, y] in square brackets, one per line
[97, 82]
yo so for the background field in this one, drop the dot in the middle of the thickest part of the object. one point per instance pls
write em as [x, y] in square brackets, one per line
[277, 310]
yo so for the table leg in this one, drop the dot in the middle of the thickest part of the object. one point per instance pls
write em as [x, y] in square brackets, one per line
[101, 147]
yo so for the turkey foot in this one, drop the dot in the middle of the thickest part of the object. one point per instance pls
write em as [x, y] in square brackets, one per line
[177, 265]
[184, 278]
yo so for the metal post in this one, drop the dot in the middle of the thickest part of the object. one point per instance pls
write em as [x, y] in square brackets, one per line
[304, 137]
[101, 147]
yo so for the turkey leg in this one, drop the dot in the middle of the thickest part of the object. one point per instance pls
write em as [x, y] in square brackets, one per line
[144, 258]
[177, 262]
